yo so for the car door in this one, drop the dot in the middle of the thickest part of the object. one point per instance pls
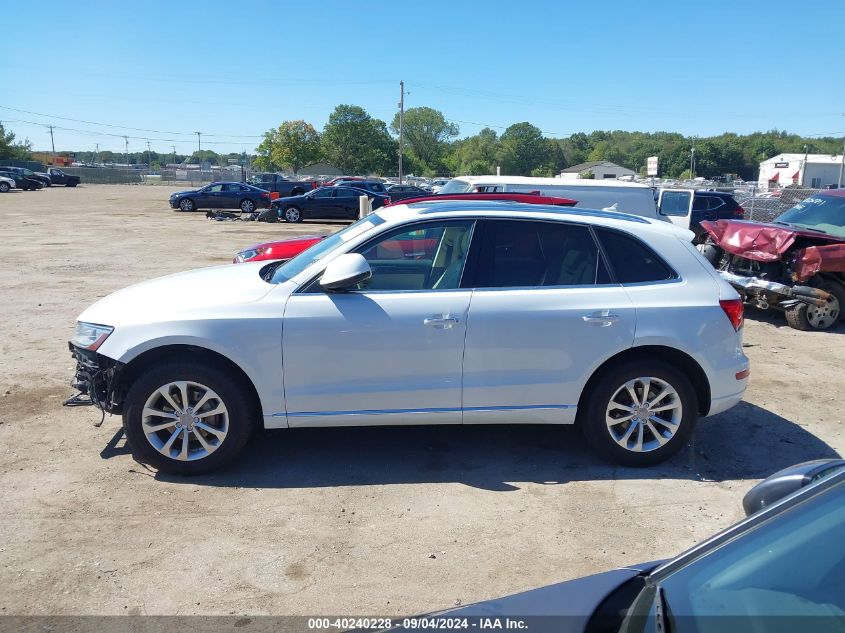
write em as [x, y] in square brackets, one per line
[390, 351]
[675, 205]
[320, 204]
[347, 202]
[230, 196]
[544, 315]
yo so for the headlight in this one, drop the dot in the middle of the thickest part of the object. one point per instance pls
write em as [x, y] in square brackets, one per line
[245, 256]
[90, 335]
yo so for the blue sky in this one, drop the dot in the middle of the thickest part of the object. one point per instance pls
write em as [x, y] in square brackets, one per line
[234, 69]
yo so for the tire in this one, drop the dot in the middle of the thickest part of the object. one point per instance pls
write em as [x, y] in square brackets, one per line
[4, 187]
[292, 214]
[200, 378]
[607, 440]
[247, 205]
[71, 184]
[186, 204]
[812, 318]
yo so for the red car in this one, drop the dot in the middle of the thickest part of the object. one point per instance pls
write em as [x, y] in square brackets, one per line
[285, 249]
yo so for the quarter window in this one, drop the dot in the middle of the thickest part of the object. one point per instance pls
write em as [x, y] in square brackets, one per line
[631, 260]
[519, 253]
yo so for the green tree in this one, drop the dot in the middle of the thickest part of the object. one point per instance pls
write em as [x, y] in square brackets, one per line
[523, 149]
[426, 132]
[293, 145]
[475, 155]
[201, 156]
[356, 143]
[9, 149]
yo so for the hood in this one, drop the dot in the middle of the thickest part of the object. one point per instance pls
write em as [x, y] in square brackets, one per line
[760, 241]
[183, 294]
[184, 193]
[291, 242]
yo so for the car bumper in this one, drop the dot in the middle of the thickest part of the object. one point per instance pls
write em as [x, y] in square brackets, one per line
[174, 203]
[98, 377]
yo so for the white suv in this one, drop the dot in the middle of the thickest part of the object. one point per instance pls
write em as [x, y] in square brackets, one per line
[432, 313]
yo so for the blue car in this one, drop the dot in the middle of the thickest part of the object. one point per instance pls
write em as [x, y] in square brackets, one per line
[222, 195]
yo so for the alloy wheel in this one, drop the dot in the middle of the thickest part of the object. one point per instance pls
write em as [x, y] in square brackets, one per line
[185, 420]
[644, 414]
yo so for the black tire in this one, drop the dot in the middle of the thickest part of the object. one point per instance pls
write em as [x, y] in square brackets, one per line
[231, 393]
[593, 418]
[186, 204]
[4, 187]
[292, 214]
[803, 317]
[247, 205]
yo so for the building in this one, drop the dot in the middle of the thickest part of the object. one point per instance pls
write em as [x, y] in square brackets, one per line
[600, 169]
[813, 171]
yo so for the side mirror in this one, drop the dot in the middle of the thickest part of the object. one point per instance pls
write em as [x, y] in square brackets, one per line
[345, 271]
[784, 482]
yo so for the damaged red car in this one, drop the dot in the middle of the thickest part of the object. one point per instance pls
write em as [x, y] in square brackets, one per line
[795, 263]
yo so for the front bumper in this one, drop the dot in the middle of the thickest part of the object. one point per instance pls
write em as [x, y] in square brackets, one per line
[98, 377]
[174, 203]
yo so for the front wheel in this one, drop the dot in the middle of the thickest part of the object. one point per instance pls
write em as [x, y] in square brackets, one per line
[810, 317]
[4, 187]
[247, 206]
[186, 204]
[292, 214]
[640, 413]
[186, 418]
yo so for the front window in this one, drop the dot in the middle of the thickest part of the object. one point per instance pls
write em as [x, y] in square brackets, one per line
[792, 565]
[318, 251]
[456, 186]
[822, 213]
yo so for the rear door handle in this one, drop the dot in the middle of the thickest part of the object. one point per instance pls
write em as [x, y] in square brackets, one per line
[602, 318]
[441, 322]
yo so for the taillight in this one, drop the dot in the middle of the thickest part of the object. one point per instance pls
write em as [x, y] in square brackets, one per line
[387, 200]
[739, 212]
[734, 310]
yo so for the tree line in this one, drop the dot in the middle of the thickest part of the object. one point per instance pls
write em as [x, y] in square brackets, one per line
[357, 143]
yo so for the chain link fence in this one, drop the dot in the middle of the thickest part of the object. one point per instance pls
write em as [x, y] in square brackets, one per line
[767, 205]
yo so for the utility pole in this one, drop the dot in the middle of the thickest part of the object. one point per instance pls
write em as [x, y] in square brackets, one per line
[692, 160]
[96, 152]
[126, 150]
[174, 154]
[149, 156]
[804, 166]
[199, 141]
[401, 124]
[52, 142]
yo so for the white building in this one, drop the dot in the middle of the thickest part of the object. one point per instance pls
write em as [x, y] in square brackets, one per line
[600, 169]
[813, 171]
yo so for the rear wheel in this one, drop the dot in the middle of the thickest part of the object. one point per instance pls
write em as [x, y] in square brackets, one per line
[292, 214]
[247, 206]
[640, 413]
[4, 187]
[811, 317]
[186, 204]
[186, 418]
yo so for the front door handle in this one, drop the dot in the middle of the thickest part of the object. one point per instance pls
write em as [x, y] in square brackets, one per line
[602, 318]
[442, 322]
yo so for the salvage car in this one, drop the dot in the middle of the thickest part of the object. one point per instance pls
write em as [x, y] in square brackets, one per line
[779, 569]
[795, 263]
[222, 195]
[519, 314]
[6, 184]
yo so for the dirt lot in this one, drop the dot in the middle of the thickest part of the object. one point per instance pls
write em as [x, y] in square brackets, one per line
[332, 521]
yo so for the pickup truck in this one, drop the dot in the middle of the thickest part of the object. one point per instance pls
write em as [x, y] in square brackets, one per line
[61, 178]
[275, 183]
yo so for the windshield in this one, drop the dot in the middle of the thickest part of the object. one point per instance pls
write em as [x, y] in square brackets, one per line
[456, 186]
[27, 172]
[820, 212]
[315, 253]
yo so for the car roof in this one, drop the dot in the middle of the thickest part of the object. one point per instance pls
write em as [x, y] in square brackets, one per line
[529, 180]
[506, 210]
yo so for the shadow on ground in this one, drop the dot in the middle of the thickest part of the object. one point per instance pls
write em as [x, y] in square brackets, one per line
[747, 442]
[777, 319]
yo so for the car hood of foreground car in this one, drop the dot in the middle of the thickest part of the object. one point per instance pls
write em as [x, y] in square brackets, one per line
[217, 291]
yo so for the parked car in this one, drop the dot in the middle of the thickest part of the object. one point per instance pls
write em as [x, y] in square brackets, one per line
[6, 184]
[437, 185]
[59, 177]
[326, 203]
[281, 185]
[795, 264]
[42, 179]
[690, 208]
[285, 249]
[21, 181]
[779, 569]
[370, 186]
[400, 192]
[342, 180]
[222, 195]
[512, 313]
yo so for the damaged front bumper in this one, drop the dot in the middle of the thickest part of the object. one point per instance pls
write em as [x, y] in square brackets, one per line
[764, 294]
[98, 378]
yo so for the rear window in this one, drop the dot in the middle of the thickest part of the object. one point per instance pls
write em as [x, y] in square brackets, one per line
[632, 261]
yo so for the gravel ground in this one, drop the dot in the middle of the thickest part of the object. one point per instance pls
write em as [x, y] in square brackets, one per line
[383, 521]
